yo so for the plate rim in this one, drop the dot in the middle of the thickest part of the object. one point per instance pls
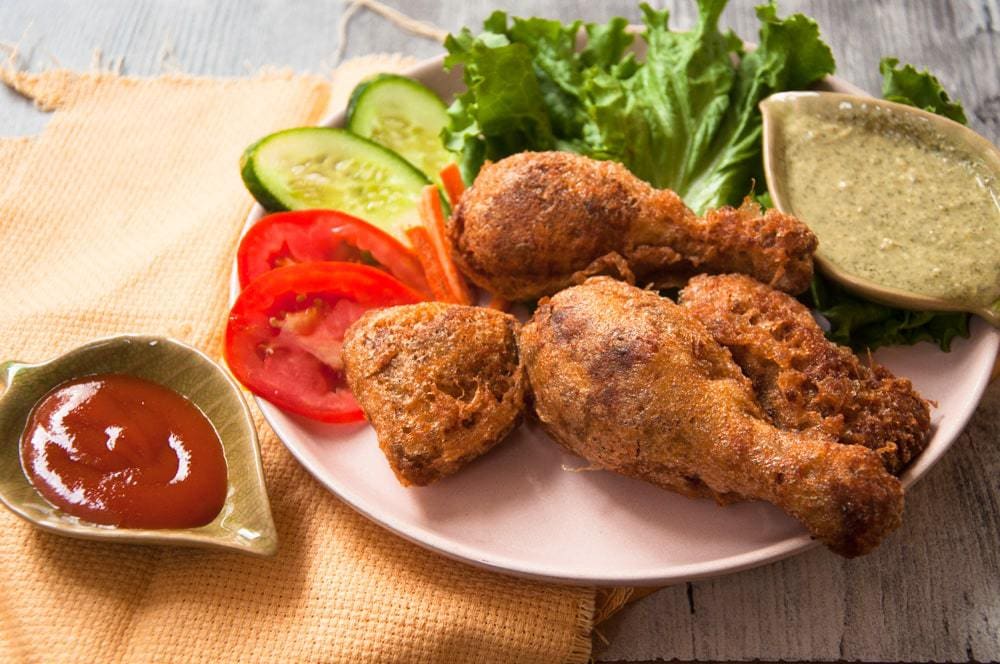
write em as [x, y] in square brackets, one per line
[661, 576]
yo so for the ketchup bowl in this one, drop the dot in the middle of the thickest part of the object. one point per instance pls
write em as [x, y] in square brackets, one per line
[242, 514]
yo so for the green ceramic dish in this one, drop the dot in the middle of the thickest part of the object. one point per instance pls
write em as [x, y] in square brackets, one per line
[948, 137]
[245, 522]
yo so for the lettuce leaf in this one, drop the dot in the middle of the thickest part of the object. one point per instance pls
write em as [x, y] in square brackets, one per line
[865, 325]
[685, 117]
[790, 56]
[861, 324]
[906, 85]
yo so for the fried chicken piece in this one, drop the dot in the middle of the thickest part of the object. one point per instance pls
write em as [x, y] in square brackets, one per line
[803, 380]
[536, 222]
[440, 383]
[633, 383]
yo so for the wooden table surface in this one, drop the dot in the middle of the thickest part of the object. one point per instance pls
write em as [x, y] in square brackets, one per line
[932, 592]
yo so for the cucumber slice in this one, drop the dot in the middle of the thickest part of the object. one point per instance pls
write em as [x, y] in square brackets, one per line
[320, 167]
[404, 116]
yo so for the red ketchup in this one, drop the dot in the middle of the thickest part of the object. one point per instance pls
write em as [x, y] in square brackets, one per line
[123, 451]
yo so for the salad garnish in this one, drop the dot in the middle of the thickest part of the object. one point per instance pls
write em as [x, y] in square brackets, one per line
[684, 117]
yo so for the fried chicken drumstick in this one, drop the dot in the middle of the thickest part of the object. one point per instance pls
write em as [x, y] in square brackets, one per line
[633, 383]
[536, 222]
[801, 379]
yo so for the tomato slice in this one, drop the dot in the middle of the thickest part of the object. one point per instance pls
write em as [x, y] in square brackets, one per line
[287, 327]
[306, 236]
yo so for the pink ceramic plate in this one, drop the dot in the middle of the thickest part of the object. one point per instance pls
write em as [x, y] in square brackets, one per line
[521, 510]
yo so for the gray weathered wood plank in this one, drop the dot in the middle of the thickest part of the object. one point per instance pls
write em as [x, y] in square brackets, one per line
[933, 591]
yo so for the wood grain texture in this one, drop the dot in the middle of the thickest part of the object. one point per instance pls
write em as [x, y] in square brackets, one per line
[932, 592]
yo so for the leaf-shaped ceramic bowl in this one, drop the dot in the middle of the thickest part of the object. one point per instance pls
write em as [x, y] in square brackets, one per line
[244, 523]
[961, 142]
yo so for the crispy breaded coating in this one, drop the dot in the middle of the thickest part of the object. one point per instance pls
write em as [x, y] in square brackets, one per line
[635, 384]
[536, 222]
[441, 384]
[801, 378]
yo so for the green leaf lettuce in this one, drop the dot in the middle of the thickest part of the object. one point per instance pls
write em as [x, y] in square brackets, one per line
[906, 85]
[684, 117]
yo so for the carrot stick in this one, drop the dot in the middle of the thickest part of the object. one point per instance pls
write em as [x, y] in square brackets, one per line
[454, 186]
[423, 247]
[433, 218]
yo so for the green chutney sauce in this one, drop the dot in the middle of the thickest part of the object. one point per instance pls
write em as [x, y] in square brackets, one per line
[893, 202]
